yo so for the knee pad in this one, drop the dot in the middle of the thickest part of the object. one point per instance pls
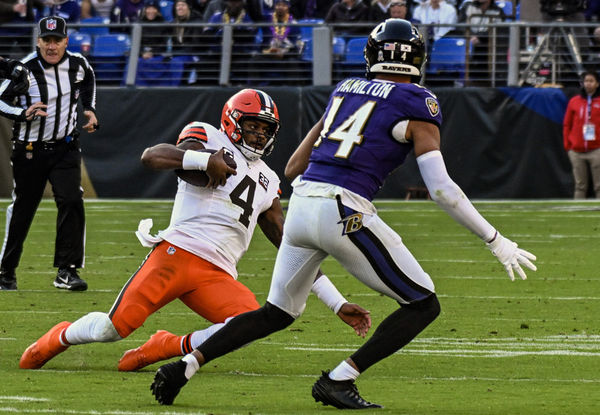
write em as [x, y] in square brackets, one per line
[93, 327]
[103, 329]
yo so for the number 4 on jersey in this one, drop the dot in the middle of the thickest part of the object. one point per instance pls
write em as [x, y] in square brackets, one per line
[246, 205]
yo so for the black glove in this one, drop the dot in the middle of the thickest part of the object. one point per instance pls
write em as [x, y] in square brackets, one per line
[19, 75]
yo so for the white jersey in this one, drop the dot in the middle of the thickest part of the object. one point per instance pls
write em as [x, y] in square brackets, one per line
[217, 224]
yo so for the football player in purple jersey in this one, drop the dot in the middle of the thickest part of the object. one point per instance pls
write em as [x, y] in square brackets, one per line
[368, 128]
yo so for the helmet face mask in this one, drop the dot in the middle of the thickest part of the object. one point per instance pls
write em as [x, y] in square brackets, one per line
[250, 104]
[395, 46]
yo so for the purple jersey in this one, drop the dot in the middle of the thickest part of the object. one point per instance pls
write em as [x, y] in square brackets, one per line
[357, 148]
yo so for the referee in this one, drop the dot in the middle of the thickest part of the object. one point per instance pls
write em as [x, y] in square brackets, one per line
[46, 148]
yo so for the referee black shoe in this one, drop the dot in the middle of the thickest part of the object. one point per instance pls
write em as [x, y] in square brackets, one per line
[8, 280]
[168, 381]
[68, 279]
[341, 394]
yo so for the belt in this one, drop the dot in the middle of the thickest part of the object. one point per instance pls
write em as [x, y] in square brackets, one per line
[42, 145]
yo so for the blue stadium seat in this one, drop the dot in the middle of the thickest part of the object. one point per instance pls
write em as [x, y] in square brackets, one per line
[80, 43]
[338, 48]
[111, 45]
[109, 56]
[96, 30]
[355, 51]
[158, 71]
[506, 6]
[307, 51]
[448, 54]
[166, 9]
[306, 31]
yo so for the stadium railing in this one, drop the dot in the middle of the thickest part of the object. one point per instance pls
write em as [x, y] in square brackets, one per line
[518, 53]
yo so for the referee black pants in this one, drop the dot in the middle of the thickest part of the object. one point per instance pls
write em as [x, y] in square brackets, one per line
[59, 163]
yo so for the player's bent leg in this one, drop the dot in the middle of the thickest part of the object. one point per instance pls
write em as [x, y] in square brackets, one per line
[244, 329]
[397, 330]
[45, 348]
[93, 327]
[241, 330]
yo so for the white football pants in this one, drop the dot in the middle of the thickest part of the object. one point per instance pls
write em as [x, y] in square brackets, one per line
[363, 244]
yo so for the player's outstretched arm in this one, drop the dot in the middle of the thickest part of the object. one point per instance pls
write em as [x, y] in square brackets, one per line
[449, 196]
[298, 162]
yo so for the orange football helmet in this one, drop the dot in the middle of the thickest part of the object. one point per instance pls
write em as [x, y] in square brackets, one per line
[250, 103]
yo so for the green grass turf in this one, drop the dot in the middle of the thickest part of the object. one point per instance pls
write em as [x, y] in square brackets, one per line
[499, 347]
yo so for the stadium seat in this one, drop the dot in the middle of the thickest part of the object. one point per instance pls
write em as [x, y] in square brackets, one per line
[306, 31]
[94, 31]
[307, 51]
[109, 56]
[111, 45]
[352, 62]
[80, 43]
[355, 51]
[166, 9]
[506, 6]
[338, 48]
[158, 71]
[448, 55]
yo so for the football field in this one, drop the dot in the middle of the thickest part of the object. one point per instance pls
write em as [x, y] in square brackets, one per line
[499, 347]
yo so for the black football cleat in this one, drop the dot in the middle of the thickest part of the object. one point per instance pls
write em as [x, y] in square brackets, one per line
[69, 279]
[168, 381]
[8, 280]
[341, 394]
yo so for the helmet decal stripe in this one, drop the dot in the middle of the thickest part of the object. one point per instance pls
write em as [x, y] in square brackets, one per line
[265, 101]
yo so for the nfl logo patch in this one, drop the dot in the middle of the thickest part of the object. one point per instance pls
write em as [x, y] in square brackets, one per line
[432, 106]
[171, 250]
[51, 24]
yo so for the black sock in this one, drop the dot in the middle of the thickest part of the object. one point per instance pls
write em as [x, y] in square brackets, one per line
[244, 329]
[396, 331]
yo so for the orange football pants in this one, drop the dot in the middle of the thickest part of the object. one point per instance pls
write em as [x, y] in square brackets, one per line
[170, 272]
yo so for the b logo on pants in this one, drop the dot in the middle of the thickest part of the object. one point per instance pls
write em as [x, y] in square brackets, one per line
[352, 223]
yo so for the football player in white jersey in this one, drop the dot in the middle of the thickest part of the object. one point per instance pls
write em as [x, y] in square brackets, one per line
[195, 258]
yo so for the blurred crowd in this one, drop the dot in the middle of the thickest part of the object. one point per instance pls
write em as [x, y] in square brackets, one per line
[279, 44]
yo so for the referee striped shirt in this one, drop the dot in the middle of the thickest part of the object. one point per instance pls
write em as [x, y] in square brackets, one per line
[60, 87]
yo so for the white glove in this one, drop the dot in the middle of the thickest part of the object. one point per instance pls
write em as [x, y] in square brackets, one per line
[511, 256]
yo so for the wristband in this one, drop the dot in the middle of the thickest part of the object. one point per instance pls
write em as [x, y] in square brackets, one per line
[195, 160]
[328, 294]
[496, 234]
